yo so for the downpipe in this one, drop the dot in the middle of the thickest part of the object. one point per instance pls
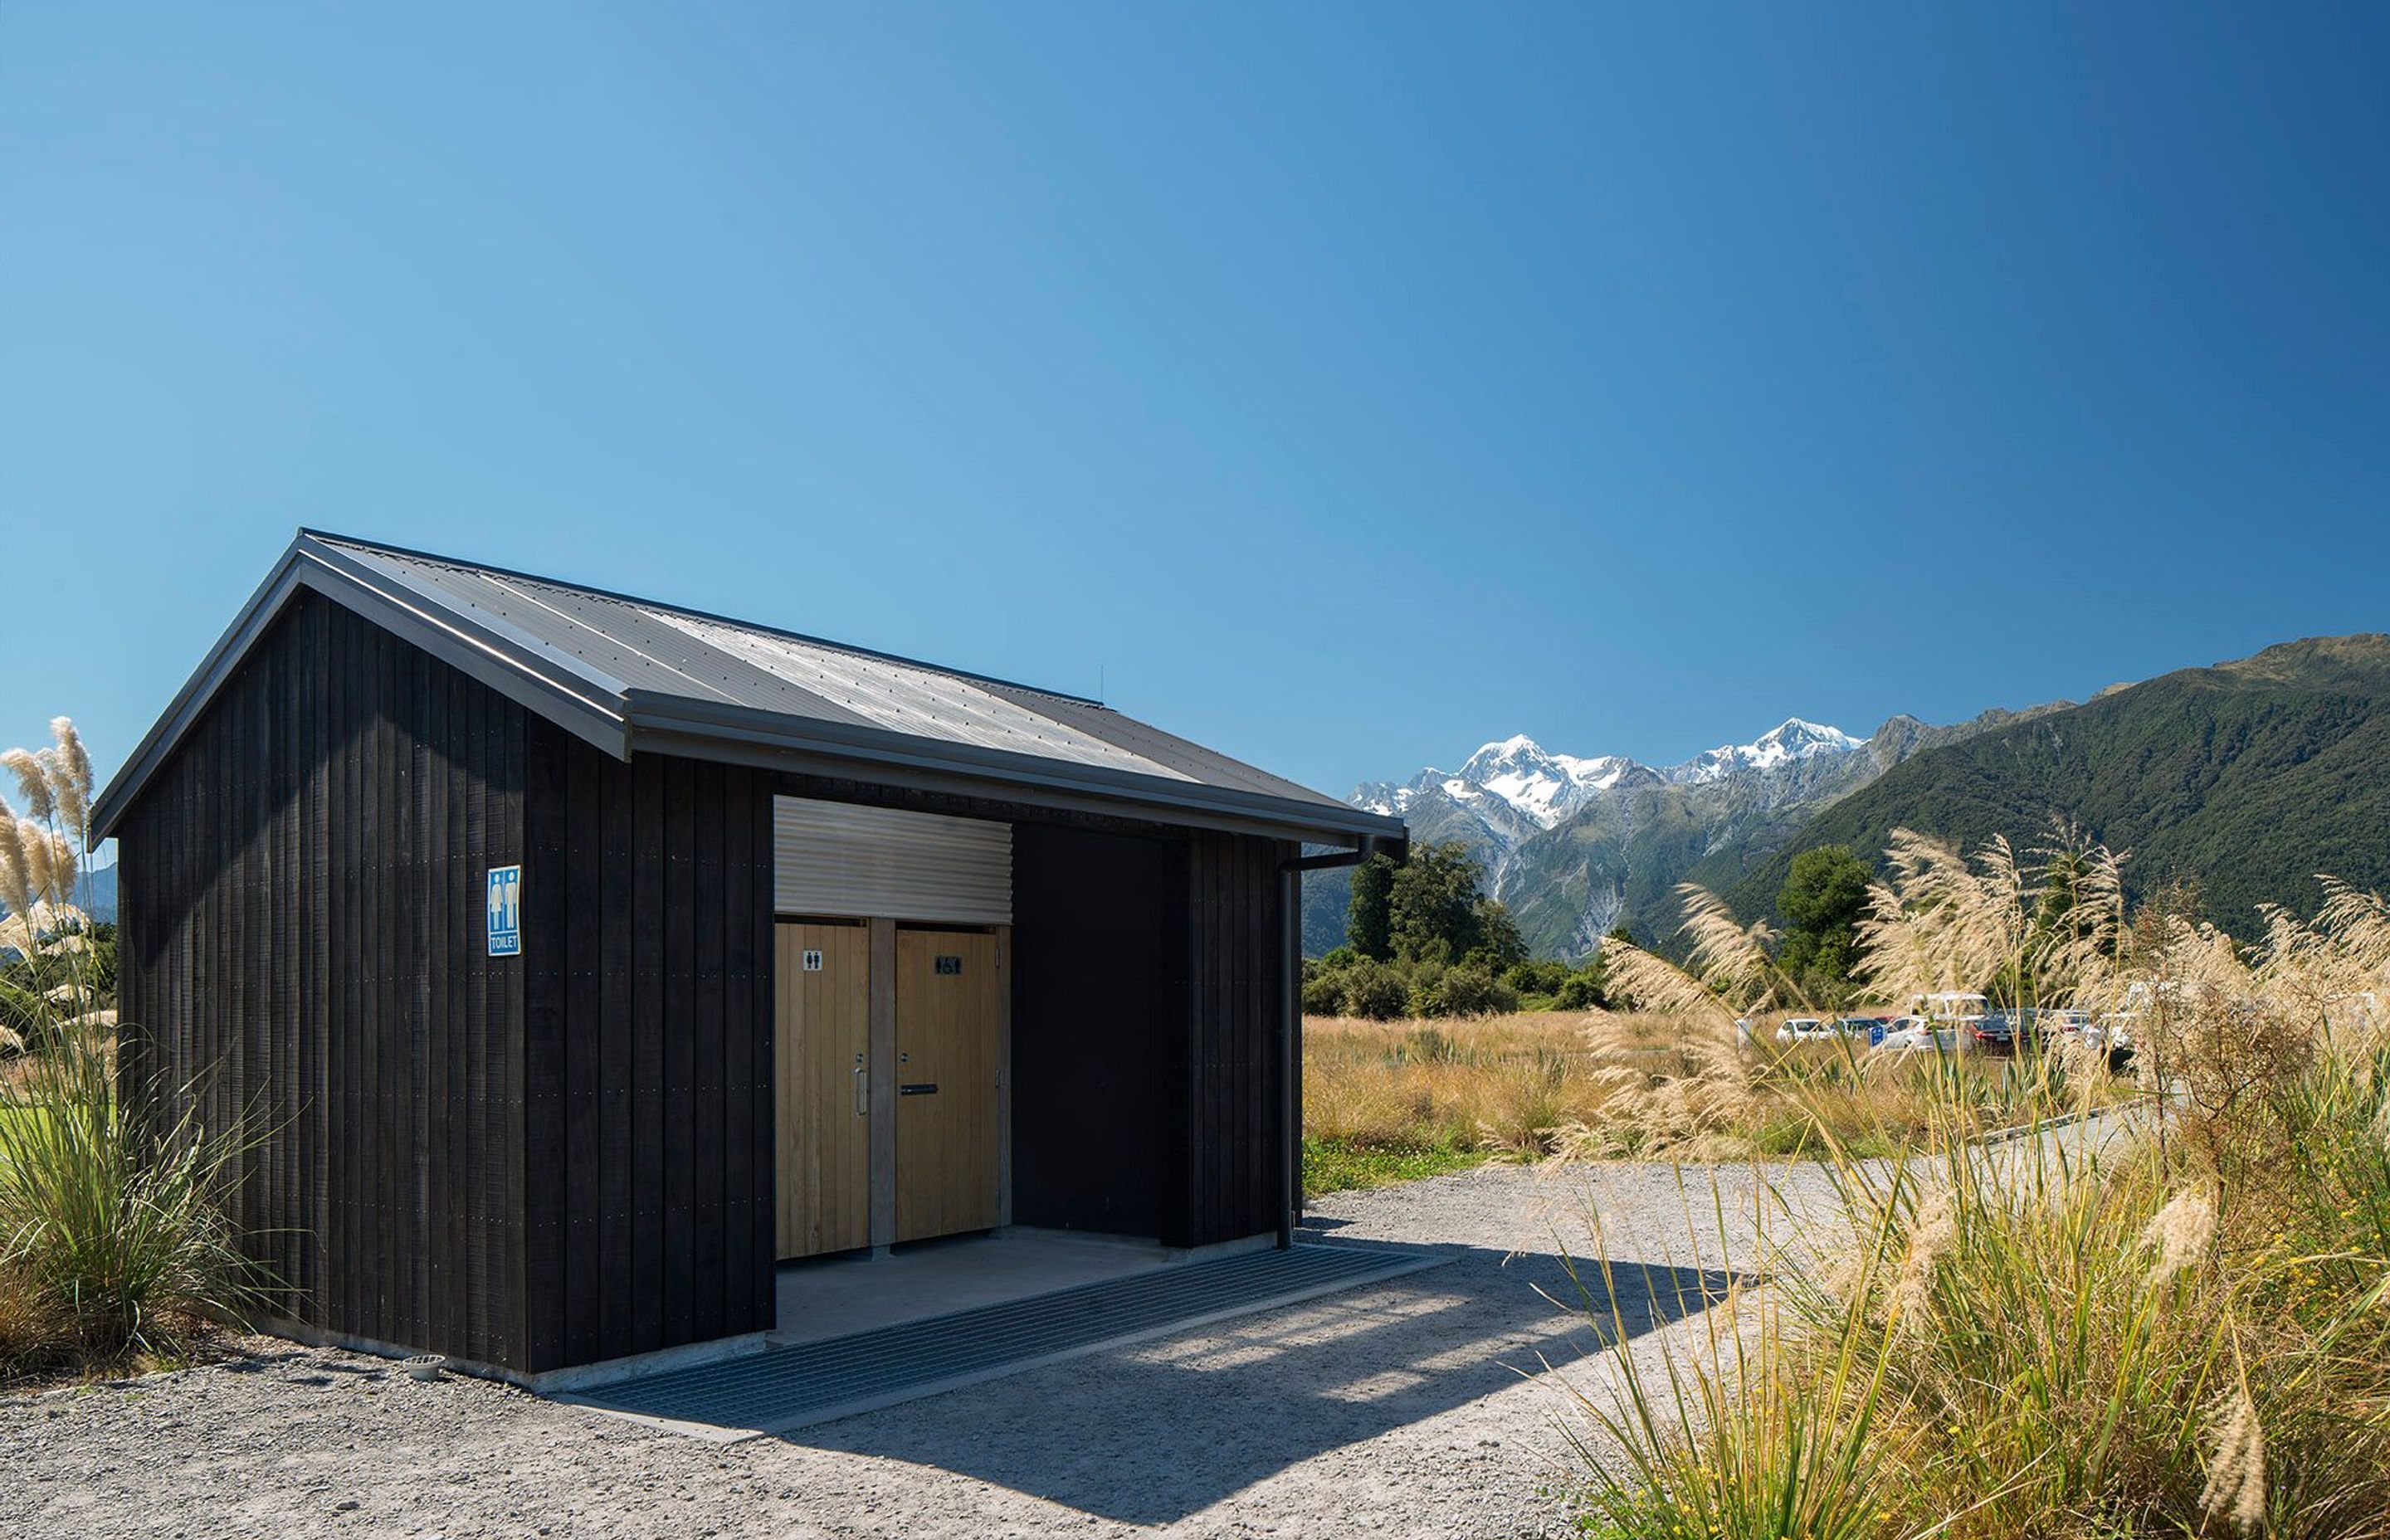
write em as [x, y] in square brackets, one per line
[1289, 1015]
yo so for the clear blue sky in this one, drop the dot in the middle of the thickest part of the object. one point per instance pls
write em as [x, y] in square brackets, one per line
[1350, 384]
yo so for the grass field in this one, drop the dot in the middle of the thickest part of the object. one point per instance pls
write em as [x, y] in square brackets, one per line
[1389, 1101]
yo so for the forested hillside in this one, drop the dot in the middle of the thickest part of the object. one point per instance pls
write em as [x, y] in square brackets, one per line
[2251, 776]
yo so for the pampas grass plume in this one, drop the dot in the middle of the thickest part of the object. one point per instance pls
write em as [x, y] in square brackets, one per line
[32, 782]
[2236, 1469]
[2180, 1233]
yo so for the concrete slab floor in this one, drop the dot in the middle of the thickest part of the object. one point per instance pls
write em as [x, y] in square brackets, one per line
[839, 1296]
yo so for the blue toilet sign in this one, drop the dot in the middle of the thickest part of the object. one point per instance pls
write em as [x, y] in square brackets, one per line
[506, 911]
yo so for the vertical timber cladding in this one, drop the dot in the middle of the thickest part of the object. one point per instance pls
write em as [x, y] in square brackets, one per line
[649, 1130]
[302, 944]
[531, 1161]
[1235, 1174]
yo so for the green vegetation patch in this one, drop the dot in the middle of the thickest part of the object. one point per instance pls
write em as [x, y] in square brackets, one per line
[1341, 1165]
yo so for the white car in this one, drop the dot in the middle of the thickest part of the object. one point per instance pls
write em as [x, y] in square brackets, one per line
[2068, 1022]
[1914, 1034]
[1803, 1028]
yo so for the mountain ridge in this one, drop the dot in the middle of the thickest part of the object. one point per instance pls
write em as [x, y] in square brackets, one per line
[2252, 775]
[1576, 843]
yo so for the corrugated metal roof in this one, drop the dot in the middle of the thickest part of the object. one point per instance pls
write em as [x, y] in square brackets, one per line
[621, 670]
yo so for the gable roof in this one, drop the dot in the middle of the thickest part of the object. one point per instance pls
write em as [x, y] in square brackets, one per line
[632, 674]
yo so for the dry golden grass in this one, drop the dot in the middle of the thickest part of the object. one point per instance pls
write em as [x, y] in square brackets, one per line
[1603, 1084]
[1509, 1083]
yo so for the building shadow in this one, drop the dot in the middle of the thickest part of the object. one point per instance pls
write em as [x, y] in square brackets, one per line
[1155, 1431]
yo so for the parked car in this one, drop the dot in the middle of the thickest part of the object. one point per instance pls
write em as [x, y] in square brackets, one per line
[1949, 1007]
[2111, 1033]
[1997, 1030]
[1803, 1029]
[1872, 1028]
[1913, 1034]
[2063, 1025]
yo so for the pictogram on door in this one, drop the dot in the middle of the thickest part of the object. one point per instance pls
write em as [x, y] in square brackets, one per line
[822, 1043]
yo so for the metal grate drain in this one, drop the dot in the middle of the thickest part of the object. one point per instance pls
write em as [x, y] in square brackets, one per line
[790, 1387]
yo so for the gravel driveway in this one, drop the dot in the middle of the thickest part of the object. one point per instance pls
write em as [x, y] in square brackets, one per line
[1415, 1407]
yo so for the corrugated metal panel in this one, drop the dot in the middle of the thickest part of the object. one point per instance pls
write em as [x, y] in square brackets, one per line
[840, 859]
[909, 698]
[700, 657]
[626, 673]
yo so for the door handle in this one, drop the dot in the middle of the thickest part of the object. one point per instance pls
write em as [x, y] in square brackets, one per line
[862, 1092]
[918, 1088]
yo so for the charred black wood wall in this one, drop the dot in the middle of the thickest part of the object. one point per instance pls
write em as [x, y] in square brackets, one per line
[1234, 1169]
[568, 1155]
[649, 1138]
[530, 1162]
[303, 945]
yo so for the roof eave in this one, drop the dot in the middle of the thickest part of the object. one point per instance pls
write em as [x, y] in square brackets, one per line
[672, 724]
[616, 720]
[579, 704]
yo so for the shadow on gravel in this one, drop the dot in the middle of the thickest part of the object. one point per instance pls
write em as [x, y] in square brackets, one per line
[1155, 1432]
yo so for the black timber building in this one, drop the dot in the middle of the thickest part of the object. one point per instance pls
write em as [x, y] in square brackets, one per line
[582, 959]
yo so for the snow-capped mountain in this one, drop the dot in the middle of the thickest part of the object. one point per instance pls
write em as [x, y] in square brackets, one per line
[1576, 845]
[1546, 789]
[1794, 739]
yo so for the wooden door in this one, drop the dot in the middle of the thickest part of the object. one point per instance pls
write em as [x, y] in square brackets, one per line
[822, 1043]
[949, 1047]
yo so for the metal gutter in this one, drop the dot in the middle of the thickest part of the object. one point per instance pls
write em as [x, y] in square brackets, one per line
[662, 723]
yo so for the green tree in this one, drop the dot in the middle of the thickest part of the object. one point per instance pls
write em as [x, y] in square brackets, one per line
[1366, 914]
[1823, 900]
[1432, 906]
[1499, 944]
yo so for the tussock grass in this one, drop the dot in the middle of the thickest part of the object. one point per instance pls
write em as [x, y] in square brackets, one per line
[113, 1242]
[113, 1239]
[2182, 1328]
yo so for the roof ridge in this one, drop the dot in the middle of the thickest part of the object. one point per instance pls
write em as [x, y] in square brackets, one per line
[618, 597]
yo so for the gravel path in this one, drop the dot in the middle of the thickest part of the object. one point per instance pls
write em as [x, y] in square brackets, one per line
[1415, 1407]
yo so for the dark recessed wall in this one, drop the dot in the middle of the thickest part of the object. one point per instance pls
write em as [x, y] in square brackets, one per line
[1099, 1045]
[1236, 1176]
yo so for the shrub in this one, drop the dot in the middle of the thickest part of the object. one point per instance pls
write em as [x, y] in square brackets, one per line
[1465, 990]
[1323, 989]
[2179, 1328]
[1581, 990]
[1375, 991]
[1536, 976]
